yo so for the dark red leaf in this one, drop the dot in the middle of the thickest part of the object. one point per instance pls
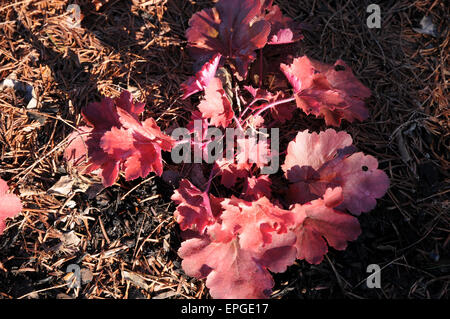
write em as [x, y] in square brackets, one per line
[117, 139]
[234, 28]
[283, 29]
[257, 187]
[328, 91]
[194, 207]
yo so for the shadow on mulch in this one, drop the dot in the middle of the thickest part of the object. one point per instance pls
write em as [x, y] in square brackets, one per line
[125, 237]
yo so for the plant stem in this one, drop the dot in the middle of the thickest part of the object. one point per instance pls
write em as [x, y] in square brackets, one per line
[208, 185]
[247, 108]
[260, 67]
[272, 105]
[238, 123]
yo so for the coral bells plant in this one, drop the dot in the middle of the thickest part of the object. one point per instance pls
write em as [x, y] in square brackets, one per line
[235, 238]
[249, 218]
[10, 205]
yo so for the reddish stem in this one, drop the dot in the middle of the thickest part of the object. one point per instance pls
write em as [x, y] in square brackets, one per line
[260, 67]
[238, 123]
[211, 177]
[270, 105]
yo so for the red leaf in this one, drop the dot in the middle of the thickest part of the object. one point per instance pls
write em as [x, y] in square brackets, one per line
[201, 139]
[125, 102]
[257, 187]
[315, 162]
[328, 91]
[145, 131]
[216, 105]
[116, 139]
[10, 205]
[117, 143]
[283, 112]
[230, 172]
[233, 28]
[260, 94]
[254, 222]
[317, 221]
[101, 115]
[263, 95]
[233, 272]
[147, 143]
[283, 29]
[194, 210]
[201, 80]
[76, 151]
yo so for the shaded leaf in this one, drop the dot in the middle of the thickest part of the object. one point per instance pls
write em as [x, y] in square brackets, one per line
[315, 162]
[283, 29]
[200, 81]
[331, 92]
[319, 221]
[233, 28]
[257, 187]
[216, 106]
[194, 209]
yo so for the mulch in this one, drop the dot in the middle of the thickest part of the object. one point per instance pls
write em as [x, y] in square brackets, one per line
[124, 238]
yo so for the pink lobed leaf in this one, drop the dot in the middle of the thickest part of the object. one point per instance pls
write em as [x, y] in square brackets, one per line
[318, 221]
[254, 222]
[361, 181]
[233, 272]
[312, 149]
[328, 91]
[216, 106]
[315, 162]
